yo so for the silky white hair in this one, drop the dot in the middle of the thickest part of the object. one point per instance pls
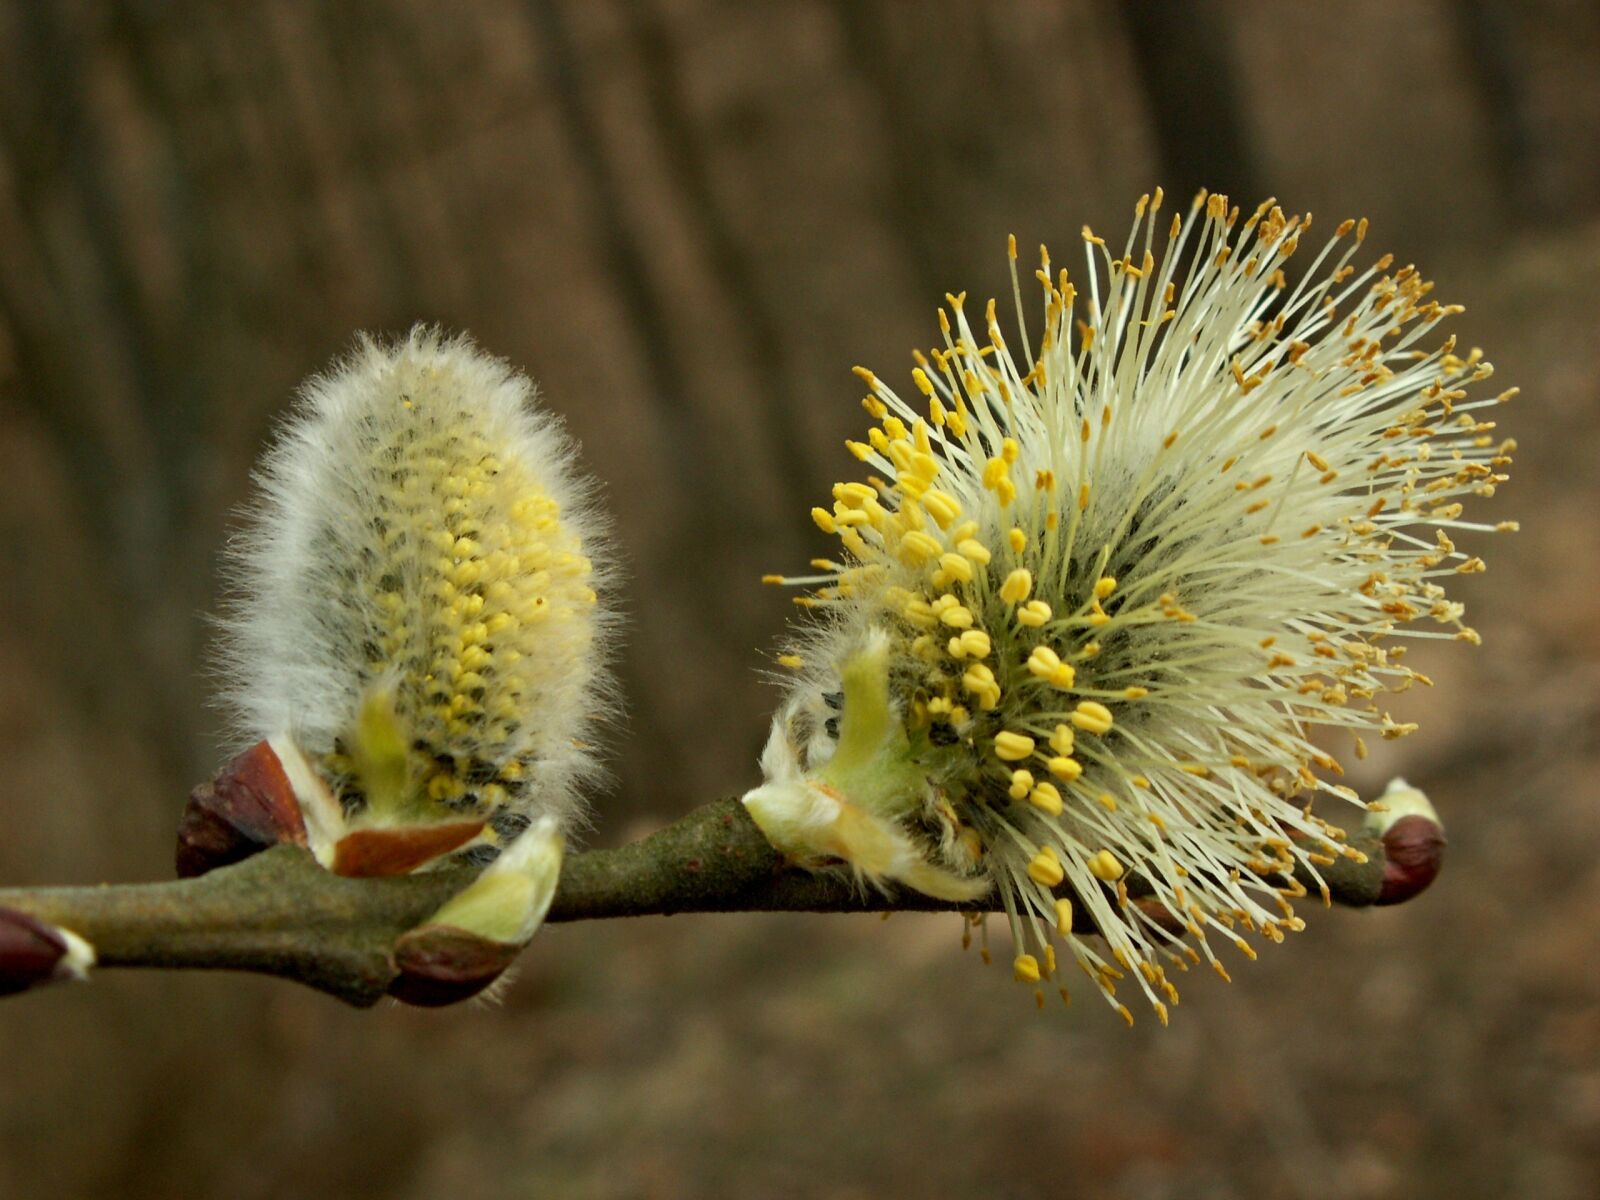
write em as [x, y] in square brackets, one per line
[422, 531]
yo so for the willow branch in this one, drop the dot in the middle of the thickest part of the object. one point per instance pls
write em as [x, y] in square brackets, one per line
[279, 913]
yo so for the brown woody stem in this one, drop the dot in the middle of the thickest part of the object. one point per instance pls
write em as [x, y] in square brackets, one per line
[279, 913]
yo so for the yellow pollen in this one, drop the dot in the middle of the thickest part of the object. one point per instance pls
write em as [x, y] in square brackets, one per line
[975, 642]
[1017, 585]
[1018, 540]
[1104, 587]
[957, 616]
[942, 507]
[917, 547]
[1021, 784]
[1026, 968]
[1047, 798]
[793, 661]
[1045, 868]
[1065, 769]
[1063, 916]
[1044, 663]
[955, 566]
[1092, 717]
[1034, 614]
[975, 550]
[1012, 747]
[1062, 739]
[1104, 866]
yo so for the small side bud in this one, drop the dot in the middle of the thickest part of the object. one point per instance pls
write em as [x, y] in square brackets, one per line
[249, 806]
[33, 953]
[473, 938]
[1413, 842]
[852, 807]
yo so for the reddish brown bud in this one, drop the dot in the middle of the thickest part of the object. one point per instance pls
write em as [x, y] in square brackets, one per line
[33, 953]
[248, 807]
[442, 964]
[1413, 841]
[1413, 853]
[400, 850]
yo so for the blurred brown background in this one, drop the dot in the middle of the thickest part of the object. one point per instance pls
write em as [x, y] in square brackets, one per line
[688, 219]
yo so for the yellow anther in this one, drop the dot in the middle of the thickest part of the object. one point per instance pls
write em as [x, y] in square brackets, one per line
[1018, 540]
[1104, 587]
[955, 566]
[1009, 450]
[1104, 866]
[1026, 968]
[975, 550]
[1034, 613]
[919, 435]
[920, 613]
[1062, 739]
[793, 661]
[861, 450]
[1045, 868]
[994, 471]
[978, 678]
[1045, 664]
[854, 495]
[917, 547]
[1092, 717]
[1047, 798]
[769, 579]
[1065, 769]
[924, 384]
[1063, 916]
[1017, 586]
[976, 643]
[941, 506]
[1021, 784]
[1012, 747]
[957, 616]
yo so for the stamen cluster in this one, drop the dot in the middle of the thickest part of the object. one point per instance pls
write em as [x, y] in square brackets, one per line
[1115, 585]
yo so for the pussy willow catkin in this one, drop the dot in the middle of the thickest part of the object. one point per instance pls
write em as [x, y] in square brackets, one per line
[418, 605]
[1094, 600]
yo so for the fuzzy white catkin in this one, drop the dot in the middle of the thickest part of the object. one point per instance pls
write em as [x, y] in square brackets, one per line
[425, 555]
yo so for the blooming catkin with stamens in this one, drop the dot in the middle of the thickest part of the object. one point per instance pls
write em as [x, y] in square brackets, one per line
[1096, 598]
[417, 630]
